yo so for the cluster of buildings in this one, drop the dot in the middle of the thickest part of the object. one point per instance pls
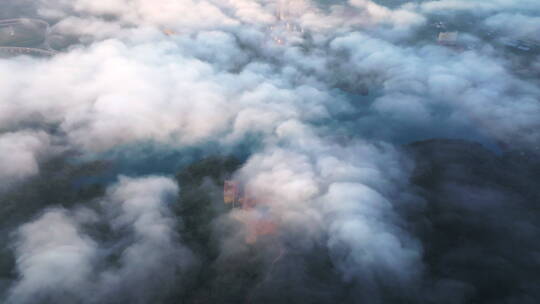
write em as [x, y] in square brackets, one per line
[286, 28]
[260, 221]
[451, 38]
[24, 36]
[521, 45]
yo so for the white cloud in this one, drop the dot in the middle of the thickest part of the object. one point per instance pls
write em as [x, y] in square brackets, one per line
[58, 261]
[21, 154]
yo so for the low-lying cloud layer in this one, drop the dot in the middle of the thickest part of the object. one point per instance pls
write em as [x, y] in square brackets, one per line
[60, 263]
[325, 105]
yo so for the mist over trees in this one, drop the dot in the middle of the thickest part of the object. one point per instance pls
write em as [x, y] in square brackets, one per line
[300, 151]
